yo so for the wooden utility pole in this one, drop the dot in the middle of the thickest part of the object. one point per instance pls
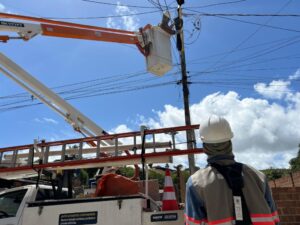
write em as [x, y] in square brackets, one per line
[190, 136]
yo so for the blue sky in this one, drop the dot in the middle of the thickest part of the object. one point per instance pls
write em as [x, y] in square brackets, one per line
[246, 68]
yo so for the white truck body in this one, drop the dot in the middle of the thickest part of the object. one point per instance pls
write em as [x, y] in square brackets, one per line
[29, 205]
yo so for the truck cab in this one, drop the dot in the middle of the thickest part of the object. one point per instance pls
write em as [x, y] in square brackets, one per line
[12, 201]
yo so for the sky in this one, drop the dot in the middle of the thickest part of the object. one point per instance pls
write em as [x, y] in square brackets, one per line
[243, 67]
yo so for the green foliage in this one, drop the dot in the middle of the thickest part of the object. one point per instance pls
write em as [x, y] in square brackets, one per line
[295, 162]
[126, 171]
[158, 176]
[185, 174]
[84, 177]
[273, 174]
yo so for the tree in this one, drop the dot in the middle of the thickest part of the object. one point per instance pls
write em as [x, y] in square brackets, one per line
[84, 177]
[126, 171]
[295, 162]
[273, 174]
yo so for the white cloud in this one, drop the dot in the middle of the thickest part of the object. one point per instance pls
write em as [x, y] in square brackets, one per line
[45, 120]
[295, 76]
[2, 8]
[111, 23]
[121, 129]
[277, 89]
[266, 134]
[49, 120]
[124, 22]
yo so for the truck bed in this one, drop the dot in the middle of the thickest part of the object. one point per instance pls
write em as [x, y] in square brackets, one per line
[125, 210]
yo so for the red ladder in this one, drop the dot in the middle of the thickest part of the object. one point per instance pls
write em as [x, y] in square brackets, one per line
[25, 160]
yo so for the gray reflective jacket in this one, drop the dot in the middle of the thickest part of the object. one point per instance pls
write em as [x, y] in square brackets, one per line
[209, 200]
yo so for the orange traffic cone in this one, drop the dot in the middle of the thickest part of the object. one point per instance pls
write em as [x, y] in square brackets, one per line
[169, 201]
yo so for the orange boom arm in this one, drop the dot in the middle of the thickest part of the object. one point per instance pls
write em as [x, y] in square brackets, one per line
[152, 41]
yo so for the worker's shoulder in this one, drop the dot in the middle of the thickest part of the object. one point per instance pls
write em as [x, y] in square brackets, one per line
[249, 170]
[204, 176]
[202, 172]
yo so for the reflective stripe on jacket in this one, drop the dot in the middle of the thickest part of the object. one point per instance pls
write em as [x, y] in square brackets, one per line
[209, 199]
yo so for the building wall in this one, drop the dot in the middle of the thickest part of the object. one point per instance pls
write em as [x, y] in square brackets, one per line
[286, 193]
[287, 200]
[291, 180]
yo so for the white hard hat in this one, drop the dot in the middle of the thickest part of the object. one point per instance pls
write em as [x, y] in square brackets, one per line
[215, 129]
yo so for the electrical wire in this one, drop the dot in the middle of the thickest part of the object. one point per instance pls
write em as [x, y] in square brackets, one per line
[105, 80]
[119, 4]
[249, 22]
[279, 41]
[101, 17]
[238, 65]
[115, 85]
[241, 14]
[253, 56]
[215, 4]
[228, 69]
[238, 86]
[110, 81]
[94, 94]
[158, 5]
[110, 85]
[260, 53]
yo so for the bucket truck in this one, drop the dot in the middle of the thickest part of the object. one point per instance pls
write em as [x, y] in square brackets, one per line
[35, 204]
[152, 41]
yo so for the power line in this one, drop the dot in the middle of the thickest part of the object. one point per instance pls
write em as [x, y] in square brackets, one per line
[250, 36]
[103, 85]
[215, 4]
[259, 24]
[138, 87]
[231, 72]
[253, 23]
[260, 53]
[103, 81]
[219, 15]
[158, 5]
[282, 40]
[258, 77]
[101, 17]
[235, 64]
[242, 14]
[119, 4]
[242, 86]
[113, 89]
[94, 94]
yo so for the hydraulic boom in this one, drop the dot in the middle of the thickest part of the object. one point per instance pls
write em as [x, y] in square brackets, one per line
[152, 41]
[79, 121]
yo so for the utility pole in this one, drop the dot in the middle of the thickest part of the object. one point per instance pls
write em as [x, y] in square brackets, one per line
[190, 136]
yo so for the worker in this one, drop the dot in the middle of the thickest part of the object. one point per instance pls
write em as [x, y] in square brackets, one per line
[226, 192]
